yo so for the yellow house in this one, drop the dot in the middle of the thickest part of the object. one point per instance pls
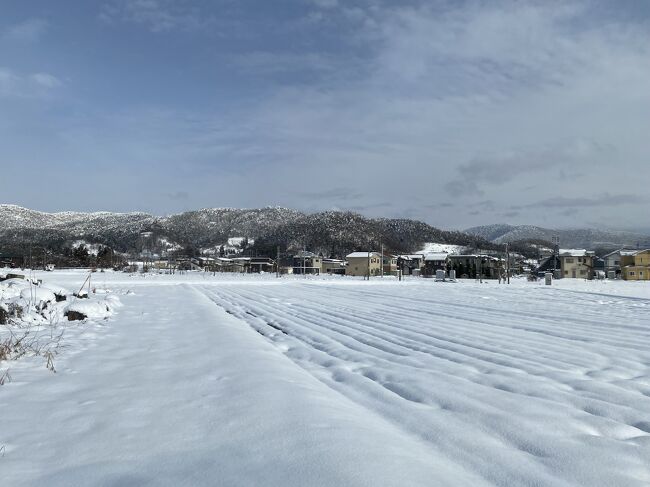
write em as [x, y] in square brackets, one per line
[577, 263]
[360, 262]
[640, 269]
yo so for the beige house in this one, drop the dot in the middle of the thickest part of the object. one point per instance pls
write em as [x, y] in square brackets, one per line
[333, 266]
[640, 269]
[363, 264]
[577, 263]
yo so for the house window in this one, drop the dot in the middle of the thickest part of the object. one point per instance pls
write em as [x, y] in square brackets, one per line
[566, 273]
[617, 262]
[641, 274]
[631, 273]
[569, 261]
[582, 272]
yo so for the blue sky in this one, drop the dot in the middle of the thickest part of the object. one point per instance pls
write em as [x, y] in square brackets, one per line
[454, 112]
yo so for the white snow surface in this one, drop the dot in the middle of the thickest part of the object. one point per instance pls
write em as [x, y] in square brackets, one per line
[92, 308]
[251, 380]
[432, 247]
[38, 294]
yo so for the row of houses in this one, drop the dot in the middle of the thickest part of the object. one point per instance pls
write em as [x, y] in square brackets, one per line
[426, 265]
[631, 265]
[563, 263]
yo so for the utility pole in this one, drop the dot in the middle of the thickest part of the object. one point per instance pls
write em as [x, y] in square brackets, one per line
[277, 261]
[508, 262]
[368, 265]
[556, 252]
[382, 259]
[479, 266]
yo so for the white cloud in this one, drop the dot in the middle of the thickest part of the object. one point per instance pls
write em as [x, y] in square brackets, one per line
[13, 84]
[156, 15]
[496, 97]
[46, 80]
[520, 101]
[325, 3]
[29, 30]
[8, 82]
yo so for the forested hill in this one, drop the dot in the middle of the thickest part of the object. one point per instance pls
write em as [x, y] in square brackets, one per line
[332, 233]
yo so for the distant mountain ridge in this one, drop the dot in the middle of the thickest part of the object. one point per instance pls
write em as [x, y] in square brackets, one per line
[569, 238]
[331, 233]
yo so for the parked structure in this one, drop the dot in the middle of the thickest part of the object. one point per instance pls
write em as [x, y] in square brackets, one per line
[640, 269]
[363, 264]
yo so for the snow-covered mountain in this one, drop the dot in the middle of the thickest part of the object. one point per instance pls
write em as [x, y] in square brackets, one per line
[331, 232]
[573, 238]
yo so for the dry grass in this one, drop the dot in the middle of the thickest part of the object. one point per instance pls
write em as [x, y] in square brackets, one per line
[5, 377]
[34, 340]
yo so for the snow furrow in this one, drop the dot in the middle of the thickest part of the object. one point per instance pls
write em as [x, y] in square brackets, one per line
[517, 393]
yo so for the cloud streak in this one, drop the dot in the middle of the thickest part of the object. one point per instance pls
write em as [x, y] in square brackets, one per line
[17, 85]
[156, 15]
[28, 31]
[609, 200]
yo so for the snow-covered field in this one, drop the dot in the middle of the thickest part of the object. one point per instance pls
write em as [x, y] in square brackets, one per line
[252, 380]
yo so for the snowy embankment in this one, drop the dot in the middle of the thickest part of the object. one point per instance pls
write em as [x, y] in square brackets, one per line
[342, 382]
[34, 318]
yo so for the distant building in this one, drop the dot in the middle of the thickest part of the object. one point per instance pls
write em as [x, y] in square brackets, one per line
[613, 260]
[241, 264]
[363, 264]
[258, 265]
[389, 263]
[639, 270]
[577, 263]
[410, 264]
[435, 261]
[333, 266]
[475, 265]
[305, 262]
